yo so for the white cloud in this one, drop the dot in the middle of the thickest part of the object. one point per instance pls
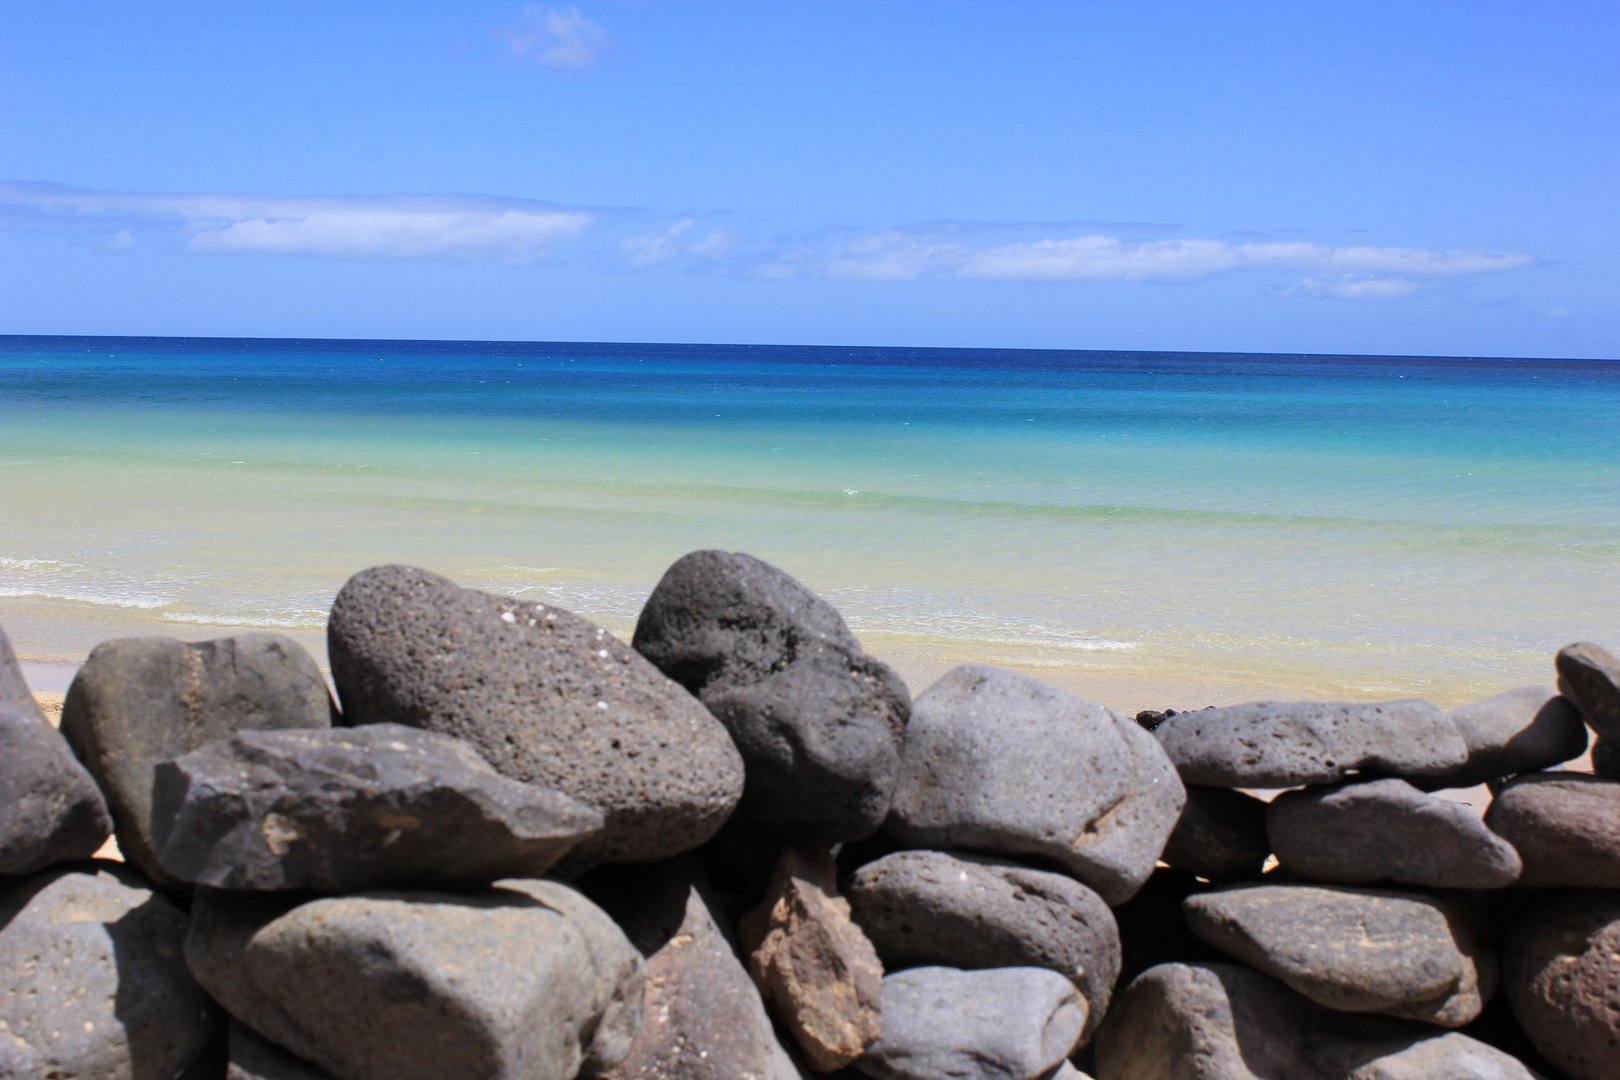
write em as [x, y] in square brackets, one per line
[675, 242]
[557, 38]
[1357, 287]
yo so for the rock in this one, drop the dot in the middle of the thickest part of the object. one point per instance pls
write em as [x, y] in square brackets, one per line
[817, 720]
[1012, 1023]
[1606, 759]
[1565, 826]
[1355, 950]
[354, 808]
[545, 696]
[999, 762]
[813, 963]
[1589, 675]
[1221, 835]
[527, 979]
[1204, 1022]
[50, 809]
[1561, 968]
[14, 691]
[1520, 731]
[929, 907]
[253, 1057]
[137, 702]
[1373, 1048]
[93, 985]
[1361, 833]
[1282, 744]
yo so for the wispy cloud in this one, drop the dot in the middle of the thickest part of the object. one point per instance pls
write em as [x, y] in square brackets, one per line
[558, 38]
[677, 242]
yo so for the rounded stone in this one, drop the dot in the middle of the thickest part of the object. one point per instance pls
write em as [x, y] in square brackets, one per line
[1520, 731]
[1565, 826]
[1561, 973]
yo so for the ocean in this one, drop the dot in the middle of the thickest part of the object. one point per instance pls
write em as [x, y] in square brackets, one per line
[1170, 528]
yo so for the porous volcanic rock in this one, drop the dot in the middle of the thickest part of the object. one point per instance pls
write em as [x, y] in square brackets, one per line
[965, 911]
[50, 809]
[817, 720]
[1520, 731]
[1343, 1047]
[545, 696]
[1565, 826]
[1282, 744]
[91, 981]
[999, 762]
[1561, 967]
[1589, 675]
[344, 809]
[1361, 833]
[1221, 835]
[137, 702]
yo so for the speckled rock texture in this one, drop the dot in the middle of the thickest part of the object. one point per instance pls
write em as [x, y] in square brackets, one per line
[546, 697]
[137, 702]
[1520, 731]
[1565, 826]
[1589, 675]
[92, 986]
[998, 762]
[818, 721]
[1221, 835]
[345, 809]
[50, 809]
[1372, 1048]
[1282, 744]
[1561, 974]
[965, 911]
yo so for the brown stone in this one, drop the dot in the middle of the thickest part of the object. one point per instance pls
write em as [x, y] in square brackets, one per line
[1561, 968]
[1589, 675]
[1566, 827]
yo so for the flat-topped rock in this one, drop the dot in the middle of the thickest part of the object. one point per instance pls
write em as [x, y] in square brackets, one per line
[1283, 744]
[1566, 827]
[1522, 730]
[1589, 675]
[1387, 830]
[1561, 967]
[50, 809]
[545, 696]
[1355, 950]
[1220, 836]
[817, 720]
[354, 808]
[998, 762]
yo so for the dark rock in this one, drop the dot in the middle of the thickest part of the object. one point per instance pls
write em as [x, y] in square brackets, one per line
[93, 986]
[14, 691]
[1355, 950]
[1589, 675]
[1281, 744]
[137, 702]
[545, 696]
[1361, 833]
[928, 907]
[1221, 835]
[1152, 718]
[1152, 929]
[527, 979]
[999, 762]
[1520, 731]
[1606, 759]
[1012, 1023]
[1374, 1048]
[253, 1057]
[1565, 826]
[818, 721]
[50, 809]
[1561, 968]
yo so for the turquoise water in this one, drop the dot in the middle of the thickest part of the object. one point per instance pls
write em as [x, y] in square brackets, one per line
[1342, 524]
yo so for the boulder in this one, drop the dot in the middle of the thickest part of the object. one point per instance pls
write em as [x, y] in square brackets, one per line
[137, 702]
[1361, 833]
[344, 809]
[1520, 731]
[1589, 675]
[1561, 967]
[964, 911]
[14, 691]
[1002, 1023]
[545, 696]
[91, 981]
[253, 1057]
[1355, 950]
[1565, 826]
[1283, 744]
[999, 762]
[818, 721]
[50, 809]
[1221, 835]
[1343, 1047]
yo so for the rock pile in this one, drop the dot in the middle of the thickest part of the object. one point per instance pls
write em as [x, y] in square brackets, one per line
[736, 848]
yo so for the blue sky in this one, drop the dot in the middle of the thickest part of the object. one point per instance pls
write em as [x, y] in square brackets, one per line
[1415, 177]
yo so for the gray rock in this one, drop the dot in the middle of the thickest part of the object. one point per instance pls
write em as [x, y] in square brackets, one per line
[1361, 833]
[93, 985]
[1606, 759]
[14, 691]
[998, 1024]
[817, 720]
[525, 980]
[928, 907]
[50, 809]
[354, 808]
[1221, 835]
[1372, 1048]
[137, 702]
[253, 1057]
[1561, 968]
[545, 696]
[1282, 744]
[1589, 675]
[1520, 731]
[1355, 950]
[999, 762]
[1565, 826]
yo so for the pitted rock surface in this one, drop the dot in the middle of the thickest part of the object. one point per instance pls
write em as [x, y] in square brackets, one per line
[137, 702]
[1221, 835]
[1565, 826]
[1520, 731]
[545, 696]
[1561, 970]
[818, 721]
[50, 809]
[965, 911]
[1362, 833]
[1589, 675]
[1282, 744]
[998, 762]
[354, 808]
